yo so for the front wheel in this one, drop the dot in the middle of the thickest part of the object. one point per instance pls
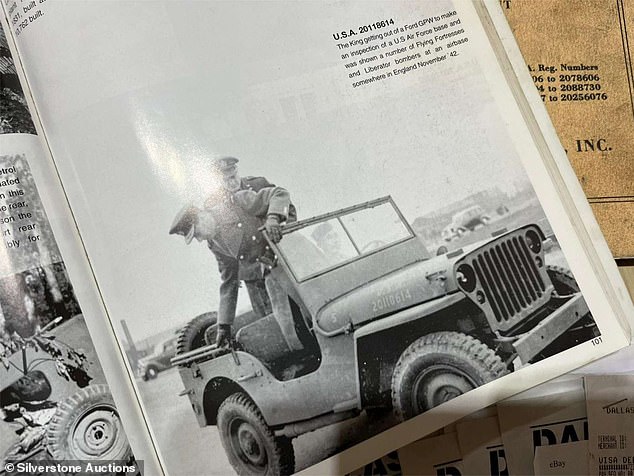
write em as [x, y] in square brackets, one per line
[249, 443]
[86, 426]
[438, 367]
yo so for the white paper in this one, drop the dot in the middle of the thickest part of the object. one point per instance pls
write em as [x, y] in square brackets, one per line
[610, 409]
[481, 447]
[569, 459]
[438, 455]
[554, 418]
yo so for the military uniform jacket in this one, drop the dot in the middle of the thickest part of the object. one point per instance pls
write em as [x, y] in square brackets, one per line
[239, 244]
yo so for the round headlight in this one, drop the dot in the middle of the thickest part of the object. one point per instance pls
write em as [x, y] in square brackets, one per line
[465, 276]
[533, 241]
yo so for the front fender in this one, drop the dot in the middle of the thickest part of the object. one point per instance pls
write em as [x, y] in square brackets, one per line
[409, 315]
[393, 335]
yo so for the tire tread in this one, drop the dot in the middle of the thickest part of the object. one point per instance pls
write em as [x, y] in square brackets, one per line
[455, 343]
[59, 425]
[282, 446]
[191, 330]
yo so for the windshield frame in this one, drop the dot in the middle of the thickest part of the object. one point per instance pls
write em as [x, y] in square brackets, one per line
[338, 214]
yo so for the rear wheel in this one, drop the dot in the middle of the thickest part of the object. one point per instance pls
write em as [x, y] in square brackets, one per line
[200, 331]
[86, 426]
[249, 443]
[438, 367]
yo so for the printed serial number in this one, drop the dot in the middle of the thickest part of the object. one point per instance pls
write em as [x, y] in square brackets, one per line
[376, 26]
[569, 78]
[584, 97]
[581, 87]
[363, 29]
[390, 300]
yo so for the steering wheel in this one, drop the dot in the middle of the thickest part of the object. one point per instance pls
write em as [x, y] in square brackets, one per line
[372, 245]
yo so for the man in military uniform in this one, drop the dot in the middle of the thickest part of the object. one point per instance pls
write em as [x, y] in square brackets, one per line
[226, 169]
[230, 223]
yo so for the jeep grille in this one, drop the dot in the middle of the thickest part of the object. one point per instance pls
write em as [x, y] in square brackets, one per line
[509, 283]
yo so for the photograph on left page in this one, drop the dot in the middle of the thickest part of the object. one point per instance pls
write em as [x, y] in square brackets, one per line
[57, 409]
[14, 112]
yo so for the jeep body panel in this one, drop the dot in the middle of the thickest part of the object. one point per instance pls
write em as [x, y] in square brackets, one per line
[280, 402]
[390, 293]
[548, 330]
[409, 314]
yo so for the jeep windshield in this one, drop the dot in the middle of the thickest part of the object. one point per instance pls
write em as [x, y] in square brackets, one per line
[313, 246]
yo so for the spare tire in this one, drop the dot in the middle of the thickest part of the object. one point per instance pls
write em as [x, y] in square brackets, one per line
[86, 426]
[195, 335]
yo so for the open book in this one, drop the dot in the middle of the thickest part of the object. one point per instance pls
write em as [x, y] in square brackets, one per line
[301, 234]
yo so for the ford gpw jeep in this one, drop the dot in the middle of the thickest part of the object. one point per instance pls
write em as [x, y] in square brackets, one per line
[369, 320]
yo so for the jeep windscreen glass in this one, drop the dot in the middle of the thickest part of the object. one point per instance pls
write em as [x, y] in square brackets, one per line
[374, 228]
[315, 248]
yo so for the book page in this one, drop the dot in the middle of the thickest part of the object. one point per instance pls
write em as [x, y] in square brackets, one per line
[412, 224]
[58, 410]
[60, 399]
[579, 56]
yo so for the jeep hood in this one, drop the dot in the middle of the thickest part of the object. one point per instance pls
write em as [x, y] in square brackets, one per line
[408, 286]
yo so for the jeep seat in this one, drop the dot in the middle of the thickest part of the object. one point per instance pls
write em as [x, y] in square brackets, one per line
[264, 339]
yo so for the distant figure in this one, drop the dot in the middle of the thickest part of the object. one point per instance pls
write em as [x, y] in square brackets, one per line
[329, 242]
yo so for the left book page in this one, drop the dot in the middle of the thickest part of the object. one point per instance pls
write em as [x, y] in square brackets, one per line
[58, 410]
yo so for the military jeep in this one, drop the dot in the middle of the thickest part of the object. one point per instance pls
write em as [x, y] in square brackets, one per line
[374, 321]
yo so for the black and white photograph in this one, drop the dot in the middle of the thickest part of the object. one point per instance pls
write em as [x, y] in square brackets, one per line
[313, 264]
[313, 225]
[55, 401]
[14, 111]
